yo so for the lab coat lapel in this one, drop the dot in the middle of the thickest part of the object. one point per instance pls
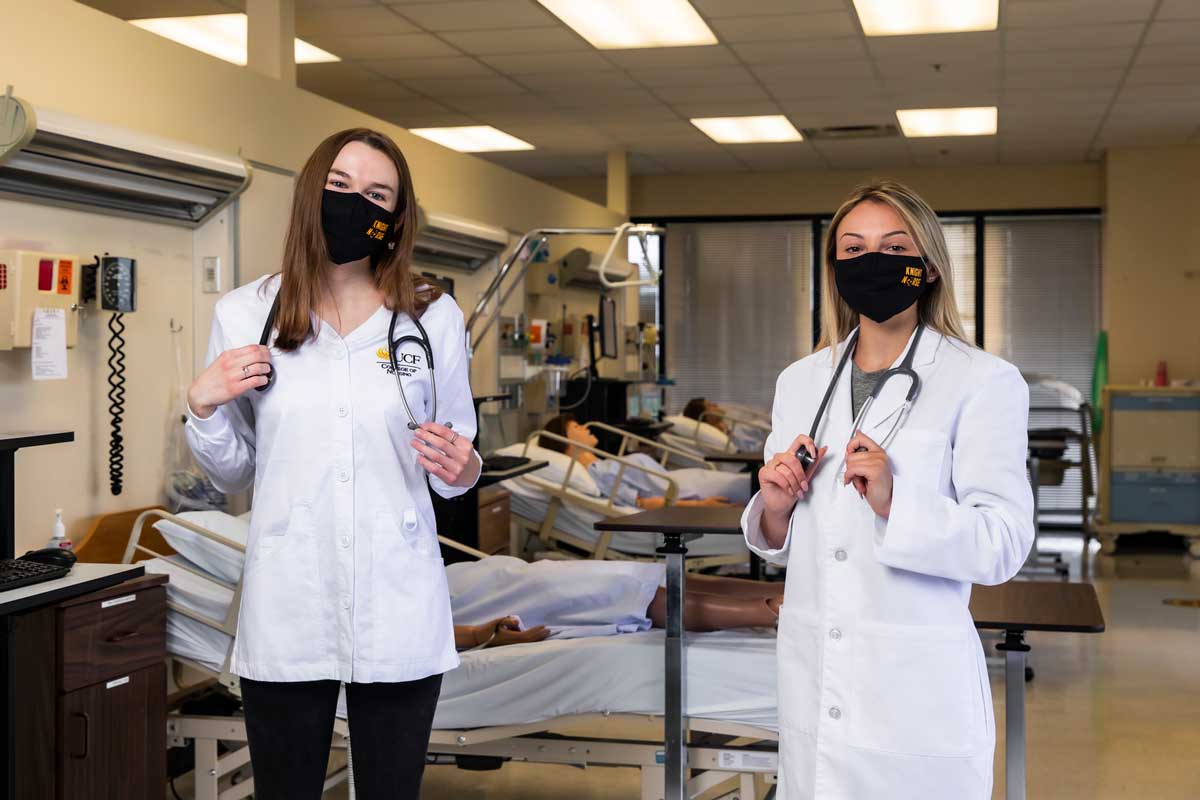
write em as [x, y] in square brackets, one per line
[883, 411]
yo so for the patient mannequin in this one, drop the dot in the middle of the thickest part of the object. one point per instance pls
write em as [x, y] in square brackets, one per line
[744, 438]
[697, 487]
[573, 599]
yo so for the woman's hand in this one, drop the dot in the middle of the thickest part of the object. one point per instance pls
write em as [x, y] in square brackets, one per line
[507, 630]
[444, 454]
[784, 482]
[231, 375]
[868, 468]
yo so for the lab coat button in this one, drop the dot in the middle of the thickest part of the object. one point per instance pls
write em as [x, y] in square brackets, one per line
[840, 554]
[345, 541]
[835, 634]
[342, 411]
[339, 352]
[343, 475]
[835, 713]
[346, 603]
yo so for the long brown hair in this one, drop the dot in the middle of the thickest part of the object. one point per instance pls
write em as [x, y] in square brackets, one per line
[306, 254]
[936, 308]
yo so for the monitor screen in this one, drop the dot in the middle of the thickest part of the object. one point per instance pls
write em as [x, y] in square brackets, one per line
[608, 327]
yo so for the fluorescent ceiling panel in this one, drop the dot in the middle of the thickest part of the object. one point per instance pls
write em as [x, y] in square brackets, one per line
[223, 36]
[748, 130]
[911, 17]
[473, 139]
[626, 24]
[918, 122]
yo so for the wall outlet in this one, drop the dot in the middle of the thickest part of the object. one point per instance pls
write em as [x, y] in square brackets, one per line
[212, 274]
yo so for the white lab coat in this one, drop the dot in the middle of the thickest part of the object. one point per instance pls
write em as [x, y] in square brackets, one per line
[883, 689]
[343, 578]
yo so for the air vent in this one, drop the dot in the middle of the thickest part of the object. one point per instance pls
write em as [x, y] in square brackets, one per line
[851, 132]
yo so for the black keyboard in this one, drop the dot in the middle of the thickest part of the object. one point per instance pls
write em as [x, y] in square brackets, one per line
[16, 572]
[503, 463]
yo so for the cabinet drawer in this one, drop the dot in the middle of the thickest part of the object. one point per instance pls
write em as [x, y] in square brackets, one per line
[493, 526]
[111, 637]
[1155, 497]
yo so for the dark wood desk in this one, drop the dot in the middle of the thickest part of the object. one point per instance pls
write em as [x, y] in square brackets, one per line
[677, 525]
[1016, 607]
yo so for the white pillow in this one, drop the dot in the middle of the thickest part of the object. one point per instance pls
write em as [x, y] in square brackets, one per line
[556, 470]
[709, 435]
[214, 558]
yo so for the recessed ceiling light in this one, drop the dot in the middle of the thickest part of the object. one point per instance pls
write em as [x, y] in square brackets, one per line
[745, 130]
[472, 138]
[917, 122]
[223, 36]
[622, 24]
[909, 17]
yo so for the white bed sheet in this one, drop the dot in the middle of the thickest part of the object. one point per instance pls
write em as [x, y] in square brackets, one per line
[531, 503]
[731, 674]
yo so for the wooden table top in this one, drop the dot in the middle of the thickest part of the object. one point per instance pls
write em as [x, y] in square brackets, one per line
[1037, 606]
[741, 457]
[679, 519]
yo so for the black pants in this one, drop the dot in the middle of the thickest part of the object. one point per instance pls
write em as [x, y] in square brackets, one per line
[290, 727]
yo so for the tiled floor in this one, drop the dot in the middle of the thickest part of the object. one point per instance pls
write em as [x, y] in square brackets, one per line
[1115, 715]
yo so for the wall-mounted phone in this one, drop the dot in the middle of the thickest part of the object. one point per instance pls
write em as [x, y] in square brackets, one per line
[30, 280]
[111, 283]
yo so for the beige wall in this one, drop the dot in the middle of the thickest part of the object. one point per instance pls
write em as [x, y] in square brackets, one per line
[1151, 273]
[61, 55]
[818, 191]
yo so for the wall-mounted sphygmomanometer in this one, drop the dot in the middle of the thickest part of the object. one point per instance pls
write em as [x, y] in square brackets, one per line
[111, 283]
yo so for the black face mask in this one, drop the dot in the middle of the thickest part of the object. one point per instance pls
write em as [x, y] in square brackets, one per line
[880, 285]
[354, 227]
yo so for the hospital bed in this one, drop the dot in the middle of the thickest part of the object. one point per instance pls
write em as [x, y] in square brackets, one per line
[501, 704]
[701, 437]
[563, 511]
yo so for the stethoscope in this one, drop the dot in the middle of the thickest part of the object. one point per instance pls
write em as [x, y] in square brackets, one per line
[394, 346]
[904, 370]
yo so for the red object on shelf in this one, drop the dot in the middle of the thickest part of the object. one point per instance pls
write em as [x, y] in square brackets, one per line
[45, 275]
[1160, 375]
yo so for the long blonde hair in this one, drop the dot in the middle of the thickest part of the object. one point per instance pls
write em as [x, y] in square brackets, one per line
[936, 308]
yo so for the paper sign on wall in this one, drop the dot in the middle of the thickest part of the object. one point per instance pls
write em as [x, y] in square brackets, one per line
[49, 341]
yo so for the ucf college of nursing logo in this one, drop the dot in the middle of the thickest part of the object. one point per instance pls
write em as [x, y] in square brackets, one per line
[409, 363]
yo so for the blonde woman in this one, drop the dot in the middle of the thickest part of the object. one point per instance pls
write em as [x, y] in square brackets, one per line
[883, 689]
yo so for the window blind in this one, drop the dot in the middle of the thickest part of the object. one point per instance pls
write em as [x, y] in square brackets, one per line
[738, 308]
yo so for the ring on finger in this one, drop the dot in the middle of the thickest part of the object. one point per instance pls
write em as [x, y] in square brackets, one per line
[244, 373]
[454, 438]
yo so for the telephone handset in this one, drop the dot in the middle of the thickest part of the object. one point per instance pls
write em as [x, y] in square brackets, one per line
[116, 291]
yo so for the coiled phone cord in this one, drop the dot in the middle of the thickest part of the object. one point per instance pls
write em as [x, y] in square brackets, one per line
[116, 402]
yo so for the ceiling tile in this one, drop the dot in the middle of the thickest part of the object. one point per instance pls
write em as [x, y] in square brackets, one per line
[625, 101]
[536, 164]
[715, 9]
[1049, 39]
[1184, 32]
[516, 106]
[464, 87]
[801, 88]
[711, 94]
[787, 27]
[951, 157]
[445, 67]
[350, 21]
[652, 130]
[478, 15]
[517, 40]
[694, 76]
[865, 153]
[828, 73]
[1158, 94]
[668, 57]
[775, 156]
[695, 143]
[727, 109]
[1049, 60]
[1058, 79]
[1058, 98]
[1041, 155]
[563, 138]
[934, 48]
[406, 105]
[1178, 9]
[143, 9]
[332, 3]
[1144, 136]
[404, 45]
[642, 164]
[534, 63]
[800, 52]
[1039, 13]
[696, 163]
[1168, 54]
[917, 97]
[1186, 74]
[612, 80]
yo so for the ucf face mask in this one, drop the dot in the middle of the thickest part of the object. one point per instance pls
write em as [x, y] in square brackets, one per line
[355, 228]
[880, 285]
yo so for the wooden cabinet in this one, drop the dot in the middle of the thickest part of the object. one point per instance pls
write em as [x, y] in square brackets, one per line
[494, 517]
[91, 715]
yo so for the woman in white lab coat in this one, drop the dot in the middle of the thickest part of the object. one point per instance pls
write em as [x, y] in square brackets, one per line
[883, 688]
[343, 579]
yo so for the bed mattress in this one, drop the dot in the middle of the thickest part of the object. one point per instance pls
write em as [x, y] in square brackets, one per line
[531, 503]
[731, 674]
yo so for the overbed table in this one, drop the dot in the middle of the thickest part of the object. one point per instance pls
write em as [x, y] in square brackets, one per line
[1015, 608]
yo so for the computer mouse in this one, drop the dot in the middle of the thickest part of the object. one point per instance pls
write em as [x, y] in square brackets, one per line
[55, 556]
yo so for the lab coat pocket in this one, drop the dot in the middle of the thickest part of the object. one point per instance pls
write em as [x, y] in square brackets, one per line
[916, 691]
[799, 670]
[410, 597]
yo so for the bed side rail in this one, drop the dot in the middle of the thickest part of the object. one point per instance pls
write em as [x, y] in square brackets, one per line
[666, 449]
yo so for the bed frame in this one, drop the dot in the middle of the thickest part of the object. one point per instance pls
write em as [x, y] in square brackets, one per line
[561, 494]
[738, 768]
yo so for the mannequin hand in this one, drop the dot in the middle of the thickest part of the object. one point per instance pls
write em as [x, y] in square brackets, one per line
[506, 630]
[445, 454]
[870, 472]
[231, 375]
